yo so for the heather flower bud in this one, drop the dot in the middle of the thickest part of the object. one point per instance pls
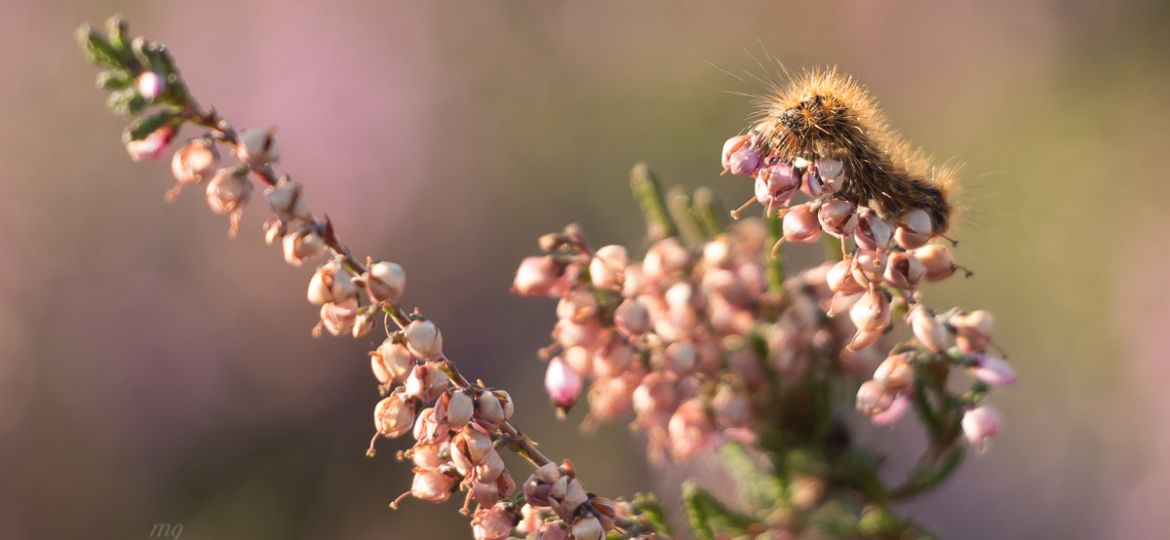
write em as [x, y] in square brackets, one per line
[192, 164]
[426, 382]
[896, 411]
[873, 398]
[903, 271]
[274, 230]
[431, 485]
[302, 244]
[776, 184]
[927, 329]
[494, 523]
[228, 192]
[914, 229]
[489, 410]
[150, 85]
[460, 408]
[579, 306]
[837, 217]
[830, 169]
[391, 362]
[385, 281]
[424, 339]
[257, 147]
[339, 317]
[612, 360]
[871, 311]
[740, 157]
[801, 225]
[870, 266]
[587, 528]
[993, 370]
[152, 146]
[937, 260]
[537, 276]
[632, 318]
[394, 415]
[980, 424]
[680, 358]
[330, 283]
[665, 258]
[562, 383]
[872, 233]
[656, 393]
[608, 266]
[974, 331]
[288, 200]
[895, 373]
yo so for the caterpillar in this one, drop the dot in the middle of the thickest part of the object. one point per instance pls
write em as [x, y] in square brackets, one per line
[826, 115]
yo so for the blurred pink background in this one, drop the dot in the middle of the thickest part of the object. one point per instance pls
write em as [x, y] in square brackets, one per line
[152, 371]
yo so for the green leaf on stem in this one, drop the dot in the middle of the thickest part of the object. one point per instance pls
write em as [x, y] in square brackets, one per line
[648, 192]
[97, 49]
[146, 125]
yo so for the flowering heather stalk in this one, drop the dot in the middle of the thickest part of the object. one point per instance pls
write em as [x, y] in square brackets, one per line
[705, 342]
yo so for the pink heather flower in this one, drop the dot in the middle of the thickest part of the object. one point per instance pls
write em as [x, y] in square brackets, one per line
[691, 429]
[330, 283]
[608, 267]
[937, 260]
[974, 331]
[914, 229]
[151, 147]
[537, 276]
[927, 329]
[840, 279]
[873, 398]
[980, 424]
[830, 169]
[775, 185]
[194, 162]
[385, 281]
[870, 266]
[391, 362]
[895, 412]
[612, 360]
[460, 408]
[288, 200]
[903, 271]
[740, 156]
[257, 147]
[871, 312]
[554, 530]
[394, 415]
[338, 318]
[993, 370]
[837, 217]
[424, 339]
[431, 485]
[895, 373]
[562, 383]
[872, 233]
[801, 225]
[150, 85]
[587, 528]
[494, 523]
[632, 318]
[610, 397]
[426, 382]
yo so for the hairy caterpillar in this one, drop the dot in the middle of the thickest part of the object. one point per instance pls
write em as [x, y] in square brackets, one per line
[824, 114]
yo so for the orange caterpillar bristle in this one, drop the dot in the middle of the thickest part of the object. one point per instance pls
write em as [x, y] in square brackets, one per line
[824, 114]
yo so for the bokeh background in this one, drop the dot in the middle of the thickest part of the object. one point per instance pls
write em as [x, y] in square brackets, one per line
[152, 371]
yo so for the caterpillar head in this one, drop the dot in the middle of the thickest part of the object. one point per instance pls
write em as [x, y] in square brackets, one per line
[813, 116]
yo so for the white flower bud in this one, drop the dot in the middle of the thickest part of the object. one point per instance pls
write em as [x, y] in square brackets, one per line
[288, 200]
[257, 147]
[460, 408]
[424, 339]
[385, 281]
[302, 244]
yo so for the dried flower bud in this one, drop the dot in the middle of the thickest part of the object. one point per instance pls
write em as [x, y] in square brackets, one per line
[562, 383]
[460, 408]
[895, 373]
[394, 415]
[424, 339]
[192, 164]
[974, 331]
[801, 225]
[838, 217]
[339, 317]
[993, 370]
[301, 244]
[980, 424]
[740, 157]
[872, 233]
[431, 485]
[257, 147]
[871, 311]
[537, 276]
[914, 229]
[391, 362]
[330, 283]
[873, 398]
[776, 184]
[927, 329]
[937, 260]
[587, 528]
[489, 411]
[153, 146]
[385, 281]
[608, 267]
[903, 271]
[632, 318]
[494, 523]
[150, 85]
[288, 200]
[426, 382]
